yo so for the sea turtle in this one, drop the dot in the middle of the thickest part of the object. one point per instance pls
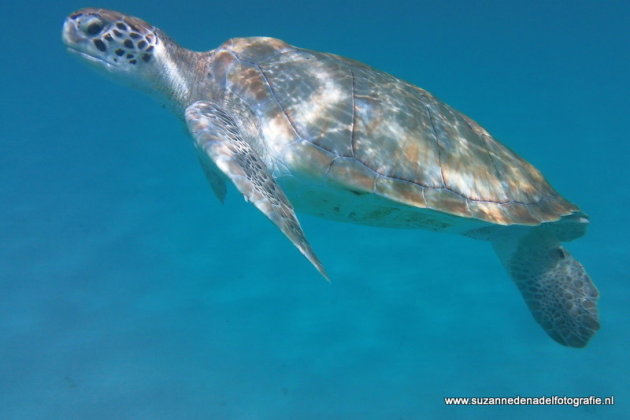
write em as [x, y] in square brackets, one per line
[294, 128]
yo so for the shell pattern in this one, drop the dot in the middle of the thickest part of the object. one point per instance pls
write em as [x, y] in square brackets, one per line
[370, 132]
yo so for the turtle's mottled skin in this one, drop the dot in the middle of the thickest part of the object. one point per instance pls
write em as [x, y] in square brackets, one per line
[293, 128]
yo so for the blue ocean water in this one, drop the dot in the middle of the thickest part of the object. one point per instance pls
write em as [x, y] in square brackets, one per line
[127, 291]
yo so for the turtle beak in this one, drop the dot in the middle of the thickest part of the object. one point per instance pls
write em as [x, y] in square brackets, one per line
[71, 35]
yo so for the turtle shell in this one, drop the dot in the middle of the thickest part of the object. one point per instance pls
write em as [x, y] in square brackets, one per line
[369, 132]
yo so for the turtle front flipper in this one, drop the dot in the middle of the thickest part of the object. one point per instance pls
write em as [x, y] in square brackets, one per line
[555, 286]
[218, 137]
[215, 179]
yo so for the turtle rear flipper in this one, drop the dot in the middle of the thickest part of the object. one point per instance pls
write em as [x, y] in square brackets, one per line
[555, 286]
[218, 137]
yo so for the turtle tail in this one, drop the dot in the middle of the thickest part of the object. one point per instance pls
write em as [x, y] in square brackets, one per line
[555, 286]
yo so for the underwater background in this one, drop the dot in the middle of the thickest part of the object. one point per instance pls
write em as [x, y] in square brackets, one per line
[128, 291]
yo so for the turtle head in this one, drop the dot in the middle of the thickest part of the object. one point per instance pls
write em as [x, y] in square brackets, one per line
[124, 47]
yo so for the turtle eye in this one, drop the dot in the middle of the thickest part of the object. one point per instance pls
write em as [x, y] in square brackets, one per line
[93, 25]
[94, 28]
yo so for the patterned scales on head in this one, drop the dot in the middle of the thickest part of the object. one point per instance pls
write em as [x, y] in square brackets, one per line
[297, 129]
